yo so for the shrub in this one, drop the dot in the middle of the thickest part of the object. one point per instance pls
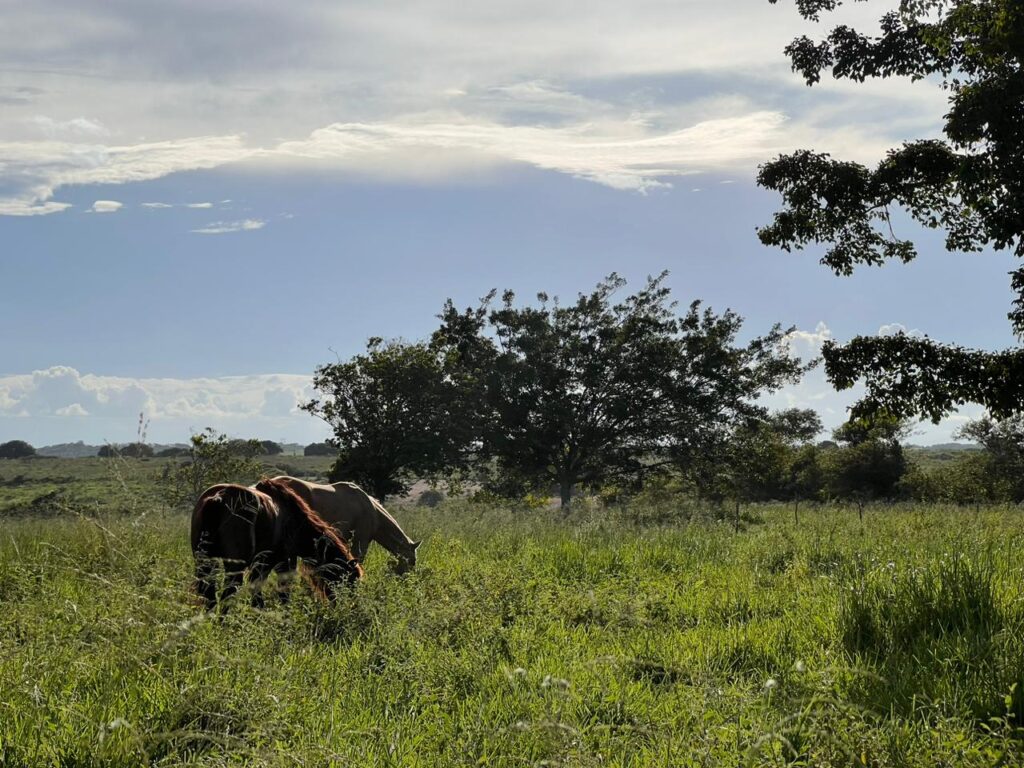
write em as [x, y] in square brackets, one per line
[16, 449]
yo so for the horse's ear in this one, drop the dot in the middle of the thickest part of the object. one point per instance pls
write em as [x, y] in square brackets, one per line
[416, 545]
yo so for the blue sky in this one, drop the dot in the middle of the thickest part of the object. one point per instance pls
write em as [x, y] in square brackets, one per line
[189, 228]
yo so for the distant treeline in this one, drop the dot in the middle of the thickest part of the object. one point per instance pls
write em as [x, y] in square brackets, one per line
[15, 449]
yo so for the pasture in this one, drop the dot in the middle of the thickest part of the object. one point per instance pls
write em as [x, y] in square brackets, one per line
[651, 634]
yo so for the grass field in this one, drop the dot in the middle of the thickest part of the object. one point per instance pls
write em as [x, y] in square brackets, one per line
[645, 635]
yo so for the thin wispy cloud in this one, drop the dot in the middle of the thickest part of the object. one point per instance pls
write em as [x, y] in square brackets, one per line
[624, 155]
[226, 227]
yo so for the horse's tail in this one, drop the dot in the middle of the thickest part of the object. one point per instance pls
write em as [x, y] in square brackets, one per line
[205, 546]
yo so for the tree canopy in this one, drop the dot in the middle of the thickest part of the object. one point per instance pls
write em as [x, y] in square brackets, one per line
[393, 413]
[599, 388]
[318, 449]
[16, 449]
[970, 184]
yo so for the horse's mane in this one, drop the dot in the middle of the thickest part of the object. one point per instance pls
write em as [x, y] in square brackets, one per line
[229, 492]
[276, 489]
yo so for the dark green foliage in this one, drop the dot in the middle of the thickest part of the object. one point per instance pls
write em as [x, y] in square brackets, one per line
[580, 393]
[172, 453]
[969, 184]
[318, 449]
[870, 463]
[394, 414]
[16, 449]
[270, 448]
[1000, 469]
[764, 458]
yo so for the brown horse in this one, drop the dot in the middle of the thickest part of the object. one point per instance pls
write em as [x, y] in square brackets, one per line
[358, 517]
[262, 529]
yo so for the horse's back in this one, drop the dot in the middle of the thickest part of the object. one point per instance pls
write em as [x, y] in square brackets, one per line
[232, 520]
[345, 506]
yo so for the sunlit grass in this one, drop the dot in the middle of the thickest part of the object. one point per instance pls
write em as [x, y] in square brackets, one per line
[525, 639]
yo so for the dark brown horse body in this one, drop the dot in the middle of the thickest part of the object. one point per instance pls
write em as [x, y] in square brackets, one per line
[263, 529]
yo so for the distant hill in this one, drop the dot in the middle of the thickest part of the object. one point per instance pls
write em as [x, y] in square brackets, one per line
[932, 457]
[77, 450]
[946, 447]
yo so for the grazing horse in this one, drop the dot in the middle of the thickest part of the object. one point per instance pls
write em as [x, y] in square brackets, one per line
[260, 529]
[357, 517]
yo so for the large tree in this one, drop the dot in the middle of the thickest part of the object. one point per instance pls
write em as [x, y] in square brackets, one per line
[579, 393]
[870, 461]
[394, 414]
[16, 449]
[1003, 457]
[970, 184]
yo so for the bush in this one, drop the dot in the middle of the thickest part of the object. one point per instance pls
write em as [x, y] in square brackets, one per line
[131, 450]
[16, 449]
[430, 498]
[213, 459]
[318, 449]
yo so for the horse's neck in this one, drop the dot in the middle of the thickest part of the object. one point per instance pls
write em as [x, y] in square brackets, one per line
[387, 532]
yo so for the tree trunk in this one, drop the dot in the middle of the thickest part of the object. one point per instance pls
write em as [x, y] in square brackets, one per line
[565, 491]
[796, 511]
[737, 523]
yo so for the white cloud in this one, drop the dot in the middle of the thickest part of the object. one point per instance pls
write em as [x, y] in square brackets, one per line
[157, 206]
[106, 206]
[75, 409]
[807, 344]
[40, 168]
[79, 127]
[894, 329]
[61, 403]
[622, 154]
[224, 227]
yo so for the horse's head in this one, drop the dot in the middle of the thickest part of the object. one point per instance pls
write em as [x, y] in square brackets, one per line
[406, 558]
[334, 562]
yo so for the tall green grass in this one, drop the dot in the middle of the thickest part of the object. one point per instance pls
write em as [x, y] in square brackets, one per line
[612, 637]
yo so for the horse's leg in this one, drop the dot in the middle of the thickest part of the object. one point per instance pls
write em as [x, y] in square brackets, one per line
[285, 571]
[360, 544]
[206, 585]
[258, 573]
[233, 575]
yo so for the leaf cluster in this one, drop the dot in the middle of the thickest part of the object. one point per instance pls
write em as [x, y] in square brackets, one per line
[969, 184]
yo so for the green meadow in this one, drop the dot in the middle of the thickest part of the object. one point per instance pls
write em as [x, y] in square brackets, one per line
[646, 634]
